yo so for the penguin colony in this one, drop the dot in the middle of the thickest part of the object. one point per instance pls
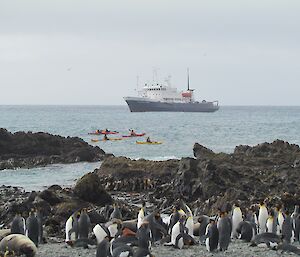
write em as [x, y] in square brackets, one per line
[274, 228]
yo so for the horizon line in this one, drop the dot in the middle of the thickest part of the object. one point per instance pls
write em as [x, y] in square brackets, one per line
[124, 105]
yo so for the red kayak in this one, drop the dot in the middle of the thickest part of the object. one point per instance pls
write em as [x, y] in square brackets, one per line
[103, 132]
[136, 135]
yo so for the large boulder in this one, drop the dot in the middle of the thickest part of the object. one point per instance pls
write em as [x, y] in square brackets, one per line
[29, 149]
[201, 152]
[89, 189]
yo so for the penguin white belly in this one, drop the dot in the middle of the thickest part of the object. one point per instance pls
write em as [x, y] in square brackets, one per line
[166, 219]
[190, 226]
[113, 229]
[262, 219]
[207, 244]
[293, 236]
[141, 217]
[99, 233]
[253, 233]
[68, 228]
[124, 254]
[270, 225]
[175, 233]
[237, 217]
[207, 239]
[180, 243]
[280, 222]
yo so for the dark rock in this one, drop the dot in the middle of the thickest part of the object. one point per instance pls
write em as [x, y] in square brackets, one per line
[201, 152]
[55, 187]
[249, 175]
[89, 189]
[39, 149]
[42, 205]
[50, 196]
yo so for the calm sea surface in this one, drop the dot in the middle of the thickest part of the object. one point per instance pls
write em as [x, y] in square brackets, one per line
[219, 131]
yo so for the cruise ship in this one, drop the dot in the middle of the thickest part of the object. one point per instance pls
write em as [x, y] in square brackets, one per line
[162, 97]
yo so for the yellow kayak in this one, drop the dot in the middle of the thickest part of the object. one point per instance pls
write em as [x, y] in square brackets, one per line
[148, 143]
[110, 139]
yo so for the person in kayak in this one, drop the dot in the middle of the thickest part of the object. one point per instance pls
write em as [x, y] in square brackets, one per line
[98, 131]
[148, 140]
[105, 137]
[106, 130]
[132, 132]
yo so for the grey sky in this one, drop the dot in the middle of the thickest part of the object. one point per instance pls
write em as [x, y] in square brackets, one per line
[90, 51]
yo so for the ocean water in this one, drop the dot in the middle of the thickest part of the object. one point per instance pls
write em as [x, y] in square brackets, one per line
[220, 131]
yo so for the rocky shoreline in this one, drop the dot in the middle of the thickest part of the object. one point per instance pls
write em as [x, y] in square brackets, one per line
[28, 150]
[268, 172]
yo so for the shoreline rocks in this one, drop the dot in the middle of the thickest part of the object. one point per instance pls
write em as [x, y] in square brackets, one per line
[30, 150]
[268, 171]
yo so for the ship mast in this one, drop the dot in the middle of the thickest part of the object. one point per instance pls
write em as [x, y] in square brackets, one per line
[188, 79]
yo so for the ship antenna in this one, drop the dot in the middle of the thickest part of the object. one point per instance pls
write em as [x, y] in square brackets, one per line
[188, 79]
[137, 83]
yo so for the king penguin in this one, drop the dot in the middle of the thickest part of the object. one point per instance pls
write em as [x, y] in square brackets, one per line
[116, 214]
[204, 221]
[84, 224]
[40, 220]
[247, 230]
[100, 233]
[17, 226]
[262, 218]
[288, 229]
[296, 221]
[224, 231]
[271, 224]
[72, 227]
[190, 220]
[237, 217]
[280, 220]
[173, 218]
[122, 251]
[144, 236]
[212, 234]
[103, 248]
[141, 215]
[32, 228]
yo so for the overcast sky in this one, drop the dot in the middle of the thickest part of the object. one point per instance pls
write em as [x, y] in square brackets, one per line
[243, 52]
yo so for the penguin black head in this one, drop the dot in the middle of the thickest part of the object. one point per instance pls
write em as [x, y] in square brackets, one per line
[157, 215]
[222, 214]
[236, 204]
[143, 203]
[212, 221]
[182, 218]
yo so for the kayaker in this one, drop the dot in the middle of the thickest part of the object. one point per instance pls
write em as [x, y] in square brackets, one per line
[105, 137]
[106, 130]
[148, 140]
[98, 131]
[132, 132]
